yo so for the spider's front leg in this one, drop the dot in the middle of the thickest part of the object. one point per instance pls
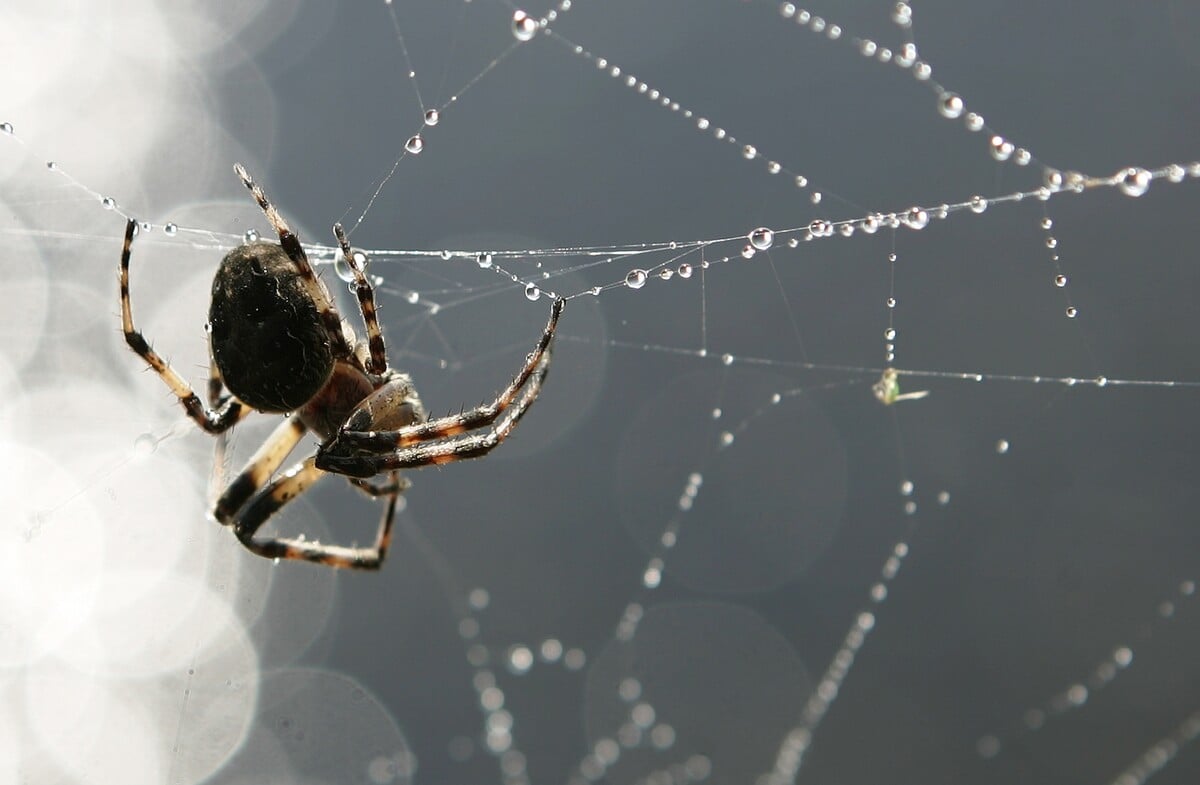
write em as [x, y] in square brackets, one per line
[366, 446]
[433, 443]
[394, 405]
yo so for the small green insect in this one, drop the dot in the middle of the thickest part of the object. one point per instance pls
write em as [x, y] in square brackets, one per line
[887, 389]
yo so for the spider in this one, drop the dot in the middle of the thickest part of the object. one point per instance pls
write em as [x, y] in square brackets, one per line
[279, 346]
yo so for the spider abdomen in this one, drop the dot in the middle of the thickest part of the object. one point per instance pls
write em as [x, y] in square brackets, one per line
[267, 338]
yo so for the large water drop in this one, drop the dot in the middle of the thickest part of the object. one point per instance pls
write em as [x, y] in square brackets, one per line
[761, 238]
[524, 26]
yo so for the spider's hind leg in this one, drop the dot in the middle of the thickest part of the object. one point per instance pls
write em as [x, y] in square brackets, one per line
[366, 304]
[295, 252]
[212, 419]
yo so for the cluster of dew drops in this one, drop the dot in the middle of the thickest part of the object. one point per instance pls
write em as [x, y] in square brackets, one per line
[761, 239]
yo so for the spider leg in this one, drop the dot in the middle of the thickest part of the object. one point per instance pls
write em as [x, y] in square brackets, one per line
[358, 437]
[394, 484]
[216, 387]
[437, 450]
[291, 246]
[258, 470]
[366, 303]
[212, 419]
[252, 498]
[284, 489]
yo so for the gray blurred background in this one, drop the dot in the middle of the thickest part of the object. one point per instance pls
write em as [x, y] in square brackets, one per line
[1034, 567]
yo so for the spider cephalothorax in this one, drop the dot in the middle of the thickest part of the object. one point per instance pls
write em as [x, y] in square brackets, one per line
[278, 345]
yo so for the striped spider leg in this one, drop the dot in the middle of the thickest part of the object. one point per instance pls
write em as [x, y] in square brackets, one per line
[361, 450]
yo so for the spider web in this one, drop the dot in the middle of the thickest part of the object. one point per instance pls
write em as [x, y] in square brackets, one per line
[709, 553]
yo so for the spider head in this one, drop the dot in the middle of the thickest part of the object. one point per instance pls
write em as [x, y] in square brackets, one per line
[266, 336]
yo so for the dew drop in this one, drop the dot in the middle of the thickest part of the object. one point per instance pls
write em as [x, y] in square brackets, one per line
[342, 269]
[906, 488]
[6, 128]
[748, 251]
[666, 273]
[973, 121]
[1002, 446]
[415, 144]
[1071, 312]
[950, 105]
[108, 203]
[431, 117]
[890, 334]
[532, 292]
[761, 238]
[1134, 181]
[726, 359]
[635, 279]
[1001, 148]
[685, 270]
[484, 259]
[726, 438]
[977, 204]
[749, 152]
[170, 229]
[524, 27]
[144, 445]
[916, 218]
[891, 302]
[1060, 281]
[251, 236]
